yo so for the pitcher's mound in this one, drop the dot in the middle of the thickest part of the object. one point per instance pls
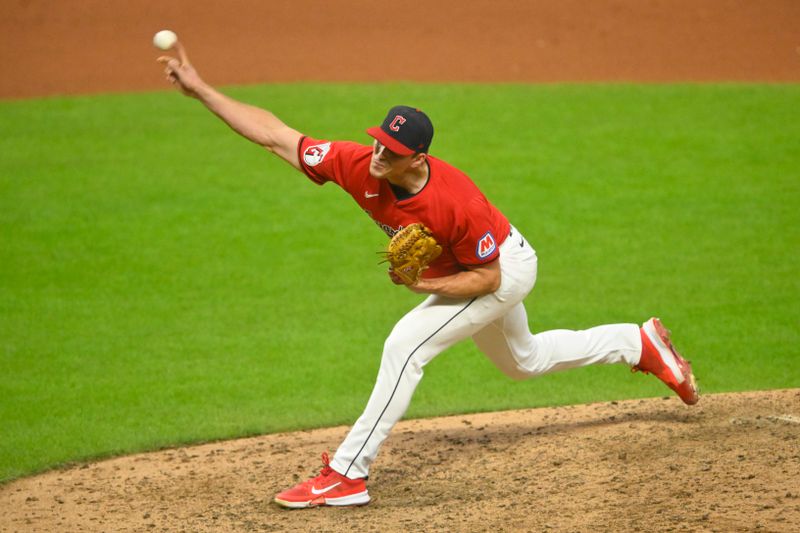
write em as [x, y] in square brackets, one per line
[731, 463]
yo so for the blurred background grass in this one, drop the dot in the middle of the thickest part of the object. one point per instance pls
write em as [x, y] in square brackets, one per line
[162, 281]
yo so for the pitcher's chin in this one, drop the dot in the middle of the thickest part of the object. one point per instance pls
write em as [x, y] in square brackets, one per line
[377, 172]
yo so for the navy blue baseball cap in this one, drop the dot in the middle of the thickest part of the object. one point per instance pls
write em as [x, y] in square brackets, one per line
[405, 131]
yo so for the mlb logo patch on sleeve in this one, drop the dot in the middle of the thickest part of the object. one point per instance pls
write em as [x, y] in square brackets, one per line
[314, 155]
[486, 246]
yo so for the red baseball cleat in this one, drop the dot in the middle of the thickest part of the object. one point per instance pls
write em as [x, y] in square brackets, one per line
[328, 488]
[660, 358]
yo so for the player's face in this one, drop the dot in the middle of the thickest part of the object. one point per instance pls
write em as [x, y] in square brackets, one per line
[387, 164]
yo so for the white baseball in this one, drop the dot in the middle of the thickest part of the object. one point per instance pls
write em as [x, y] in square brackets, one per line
[165, 39]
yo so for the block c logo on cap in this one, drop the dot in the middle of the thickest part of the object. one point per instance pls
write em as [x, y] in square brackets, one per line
[394, 126]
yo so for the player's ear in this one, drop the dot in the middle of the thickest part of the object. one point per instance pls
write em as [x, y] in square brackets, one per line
[419, 159]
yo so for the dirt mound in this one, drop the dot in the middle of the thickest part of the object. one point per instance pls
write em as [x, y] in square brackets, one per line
[731, 463]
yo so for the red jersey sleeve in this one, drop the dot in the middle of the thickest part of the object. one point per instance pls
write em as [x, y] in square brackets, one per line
[324, 161]
[477, 242]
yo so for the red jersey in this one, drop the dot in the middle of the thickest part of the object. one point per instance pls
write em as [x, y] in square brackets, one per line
[469, 228]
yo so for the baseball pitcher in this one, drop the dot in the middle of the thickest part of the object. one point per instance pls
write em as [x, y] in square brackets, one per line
[449, 243]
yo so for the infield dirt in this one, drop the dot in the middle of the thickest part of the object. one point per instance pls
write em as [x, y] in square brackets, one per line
[731, 463]
[92, 46]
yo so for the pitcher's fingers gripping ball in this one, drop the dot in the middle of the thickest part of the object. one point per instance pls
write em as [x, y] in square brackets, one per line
[179, 71]
[410, 252]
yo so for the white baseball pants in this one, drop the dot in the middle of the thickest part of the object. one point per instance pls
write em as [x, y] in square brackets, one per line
[498, 324]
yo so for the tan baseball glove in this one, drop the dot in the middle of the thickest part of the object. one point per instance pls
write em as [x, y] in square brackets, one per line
[410, 252]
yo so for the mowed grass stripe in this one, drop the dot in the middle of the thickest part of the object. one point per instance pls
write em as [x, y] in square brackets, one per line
[163, 281]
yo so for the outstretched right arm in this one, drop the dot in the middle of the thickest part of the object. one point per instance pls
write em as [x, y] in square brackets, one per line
[256, 124]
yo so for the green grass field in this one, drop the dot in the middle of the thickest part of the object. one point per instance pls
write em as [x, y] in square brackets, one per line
[163, 281]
